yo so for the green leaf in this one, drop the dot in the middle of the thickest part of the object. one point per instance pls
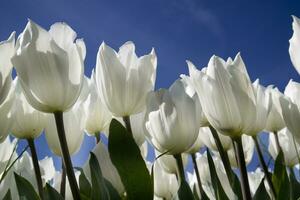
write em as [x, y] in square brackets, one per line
[261, 192]
[280, 178]
[113, 193]
[219, 192]
[25, 189]
[295, 186]
[184, 191]
[85, 187]
[99, 190]
[51, 194]
[7, 195]
[126, 156]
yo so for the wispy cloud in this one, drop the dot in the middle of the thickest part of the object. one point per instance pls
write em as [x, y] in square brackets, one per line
[200, 14]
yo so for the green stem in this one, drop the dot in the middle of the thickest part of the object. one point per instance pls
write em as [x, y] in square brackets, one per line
[242, 165]
[66, 155]
[277, 141]
[223, 155]
[126, 120]
[264, 166]
[97, 136]
[63, 179]
[36, 167]
[181, 176]
[291, 184]
[202, 193]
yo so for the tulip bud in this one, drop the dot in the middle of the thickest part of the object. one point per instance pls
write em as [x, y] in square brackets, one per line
[290, 106]
[98, 117]
[165, 184]
[275, 119]
[50, 66]
[74, 121]
[290, 151]
[123, 79]
[263, 106]
[168, 162]
[294, 48]
[28, 122]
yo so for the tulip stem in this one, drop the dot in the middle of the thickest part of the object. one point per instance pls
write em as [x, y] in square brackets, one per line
[264, 166]
[126, 120]
[226, 162]
[97, 136]
[36, 167]
[181, 176]
[277, 141]
[202, 193]
[239, 153]
[63, 179]
[66, 155]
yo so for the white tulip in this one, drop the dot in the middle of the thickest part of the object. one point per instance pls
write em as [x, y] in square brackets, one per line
[7, 50]
[209, 140]
[290, 105]
[123, 79]
[168, 162]
[294, 48]
[50, 66]
[108, 169]
[6, 115]
[226, 95]
[165, 184]
[190, 90]
[47, 169]
[74, 121]
[171, 119]
[98, 117]
[28, 122]
[290, 151]
[275, 119]
[263, 106]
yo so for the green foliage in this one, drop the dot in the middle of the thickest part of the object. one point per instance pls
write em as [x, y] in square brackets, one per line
[99, 190]
[126, 156]
[7, 195]
[185, 192]
[261, 192]
[219, 192]
[85, 187]
[295, 186]
[25, 189]
[280, 178]
[51, 194]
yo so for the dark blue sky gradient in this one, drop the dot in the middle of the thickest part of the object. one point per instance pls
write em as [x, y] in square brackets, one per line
[178, 30]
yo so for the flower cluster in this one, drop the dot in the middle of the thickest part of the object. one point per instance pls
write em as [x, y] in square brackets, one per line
[213, 115]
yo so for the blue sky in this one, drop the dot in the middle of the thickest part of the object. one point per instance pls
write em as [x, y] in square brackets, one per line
[178, 30]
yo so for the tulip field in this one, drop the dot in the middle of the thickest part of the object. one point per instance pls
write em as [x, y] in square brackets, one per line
[210, 119]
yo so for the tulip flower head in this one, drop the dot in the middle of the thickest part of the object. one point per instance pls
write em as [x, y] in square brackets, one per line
[226, 95]
[171, 119]
[123, 79]
[50, 67]
[294, 48]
